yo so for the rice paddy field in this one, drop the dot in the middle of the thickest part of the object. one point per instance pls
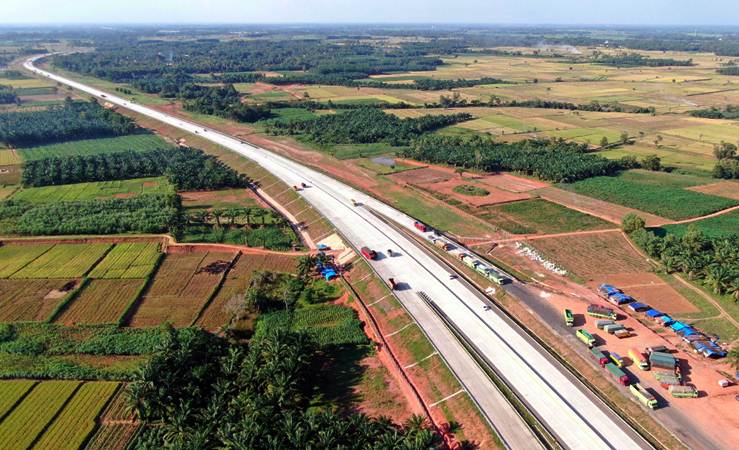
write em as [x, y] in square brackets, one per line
[128, 260]
[94, 190]
[62, 261]
[51, 414]
[86, 147]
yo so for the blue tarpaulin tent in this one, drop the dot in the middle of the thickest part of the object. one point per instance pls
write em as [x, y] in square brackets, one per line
[654, 313]
[608, 289]
[666, 320]
[636, 307]
[619, 298]
[677, 326]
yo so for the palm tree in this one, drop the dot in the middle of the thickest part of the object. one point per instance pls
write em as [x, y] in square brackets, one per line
[718, 278]
[217, 214]
[232, 214]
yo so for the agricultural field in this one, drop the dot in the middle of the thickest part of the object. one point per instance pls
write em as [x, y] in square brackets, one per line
[128, 260]
[63, 261]
[11, 391]
[101, 301]
[540, 216]
[9, 157]
[663, 197]
[33, 300]
[182, 286]
[226, 301]
[54, 414]
[86, 147]
[723, 225]
[15, 257]
[94, 190]
[327, 324]
[225, 198]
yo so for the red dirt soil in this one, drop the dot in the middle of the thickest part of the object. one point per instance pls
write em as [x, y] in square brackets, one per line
[496, 196]
[650, 289]
[728, 189]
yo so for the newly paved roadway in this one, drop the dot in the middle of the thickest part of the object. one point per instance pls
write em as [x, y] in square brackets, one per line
[575, 417]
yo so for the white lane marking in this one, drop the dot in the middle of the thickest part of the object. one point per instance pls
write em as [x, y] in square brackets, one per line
[421, 360]
[400, 329]
[447, 398]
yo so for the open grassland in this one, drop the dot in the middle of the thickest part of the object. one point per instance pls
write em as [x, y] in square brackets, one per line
[86, 147]
[101, 301]
[664, 199]
[77, 421]
[94, 190]
[9, 157]
[15, 257]
[128, 260]
[540, 216]
[32, 300]
[121, 367]
[225, 198]
[64, 261]
[719, 226]
[225, 303]
[11, 392]
[180, 289]
[22, 426]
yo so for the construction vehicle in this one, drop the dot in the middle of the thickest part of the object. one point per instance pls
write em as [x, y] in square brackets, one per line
[368, 253]
[569, 318]
[586, 337]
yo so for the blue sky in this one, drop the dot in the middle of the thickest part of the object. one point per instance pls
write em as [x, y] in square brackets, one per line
[638, 12]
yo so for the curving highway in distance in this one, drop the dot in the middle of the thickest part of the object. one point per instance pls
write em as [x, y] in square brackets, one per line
[564, 406]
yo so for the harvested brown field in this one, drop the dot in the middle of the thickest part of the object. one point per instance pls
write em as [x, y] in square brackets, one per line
[224, 304]
[495, 195]
[101, 301]
[598, 208]
[32, 300]
[422, 176]
[650, 289]
[592, 256]
[728, 189]
[181, 287]
[508, 182]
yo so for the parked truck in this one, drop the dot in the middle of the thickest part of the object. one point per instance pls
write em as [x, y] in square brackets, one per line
[618, 374]
[639, 359]
[622, 333]
[569, 318]
[643, 395]
[616, 358]
[368, 253]
[683, 391]
[599, 356]
[600, 324]
[601, 312]
[586, 337]
[612, 328]
[662, 360]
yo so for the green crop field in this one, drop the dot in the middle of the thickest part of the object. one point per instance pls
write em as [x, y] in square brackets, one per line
[11, 391]
[719, 226]
[94, 190]
[327, 324]
[128, 260]
[21, 427]
[101, 301]
[14, 257]
[77, 420]
[541, 216]
[136, 142]
[64, 261]
[663, 200]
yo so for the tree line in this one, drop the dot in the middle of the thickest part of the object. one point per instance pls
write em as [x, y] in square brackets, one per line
[186, 168]
[364, 125]
[8, 95]
[727, 166]
[551, 160]
[637, 60]
[730, 112]
[713, 260]
[71, 121]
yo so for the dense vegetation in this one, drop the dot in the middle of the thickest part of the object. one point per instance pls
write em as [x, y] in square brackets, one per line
[727, 112]
[728, 70]
[225, 102]
[204, 393]
[637, 60]
[71, 121]
[186, 168]
[715, 261]
[145, 213]
[728, 162]
[7, 95]
[363, 126]
[549, 160]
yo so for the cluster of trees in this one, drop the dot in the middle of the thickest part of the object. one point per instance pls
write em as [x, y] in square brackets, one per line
[7, 94]
[728, 163]
[715, 261]
[71, 121]
[255, 227]
[552, 160]
[349, 80]
[226, 102]
[149, 213]
[729, 69]
[186, 168]
[201, 392]
[637, 60]
[365, 125]
[728, 112]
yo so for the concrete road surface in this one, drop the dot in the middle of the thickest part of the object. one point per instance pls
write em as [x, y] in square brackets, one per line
[576, 418]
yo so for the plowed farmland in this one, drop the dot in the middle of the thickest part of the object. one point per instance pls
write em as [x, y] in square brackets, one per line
[31, 300]
[101, 301]
[64, 261]
[181, 287]
[220, 310]
[128, 260]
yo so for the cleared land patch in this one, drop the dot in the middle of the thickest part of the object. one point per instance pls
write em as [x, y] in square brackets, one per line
[95, 190]
[64, 261]
[32, 300]
[728, 189]
[101, 301]
[86, 147]
[128, 260]
[651, 289]
[181, 287]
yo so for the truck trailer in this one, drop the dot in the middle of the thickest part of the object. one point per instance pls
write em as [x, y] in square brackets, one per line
[617, 373]
[601, 312]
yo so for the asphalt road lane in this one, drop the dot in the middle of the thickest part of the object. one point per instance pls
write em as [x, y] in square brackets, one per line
[577, 420]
